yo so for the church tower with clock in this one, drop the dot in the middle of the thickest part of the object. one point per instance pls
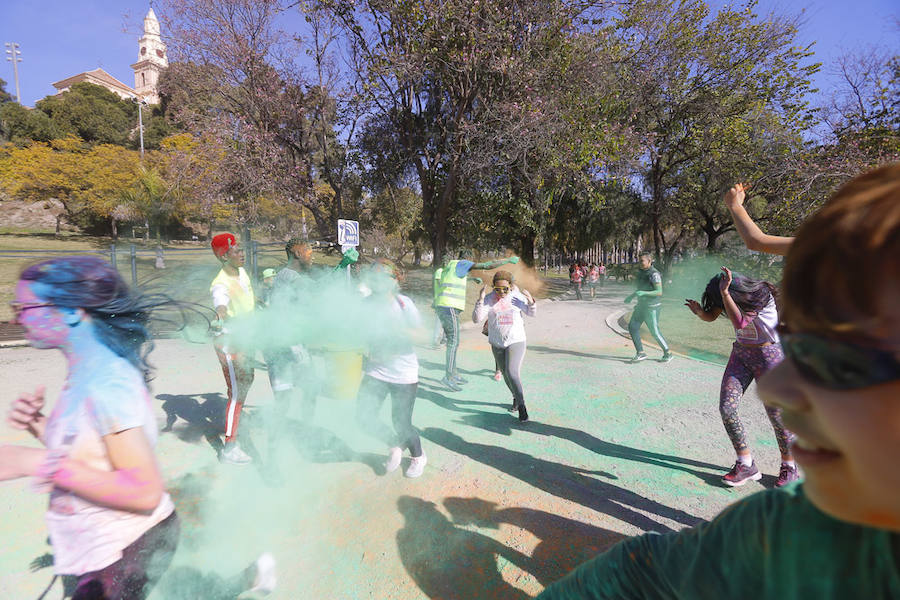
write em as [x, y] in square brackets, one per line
[152, 59]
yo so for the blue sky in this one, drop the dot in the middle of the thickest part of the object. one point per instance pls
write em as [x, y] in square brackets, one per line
[62, 38]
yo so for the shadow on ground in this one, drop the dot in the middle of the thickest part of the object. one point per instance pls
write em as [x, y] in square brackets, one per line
[503, 424]
[575, 484]
[448, 560]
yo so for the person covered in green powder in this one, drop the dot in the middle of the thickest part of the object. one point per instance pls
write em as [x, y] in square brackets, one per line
[648, 294]
[451, 300]
[836, 534]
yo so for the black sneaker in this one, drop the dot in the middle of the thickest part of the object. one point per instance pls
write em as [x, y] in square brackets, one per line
[741, 474]
[667, 357]
[514, 407]
[523, 414]
[639, 357]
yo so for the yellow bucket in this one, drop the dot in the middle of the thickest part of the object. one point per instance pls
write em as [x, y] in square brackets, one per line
[344, 374]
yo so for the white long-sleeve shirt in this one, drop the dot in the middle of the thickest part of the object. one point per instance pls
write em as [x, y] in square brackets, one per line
[505, 317]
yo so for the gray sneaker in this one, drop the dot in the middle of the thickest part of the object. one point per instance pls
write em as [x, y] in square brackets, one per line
[639, 357]
[450, 385]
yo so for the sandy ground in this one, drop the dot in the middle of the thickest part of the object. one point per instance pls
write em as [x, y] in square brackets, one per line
[503, 509]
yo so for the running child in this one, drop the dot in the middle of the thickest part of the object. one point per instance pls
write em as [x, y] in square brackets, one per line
[750, 305]
[593, 278]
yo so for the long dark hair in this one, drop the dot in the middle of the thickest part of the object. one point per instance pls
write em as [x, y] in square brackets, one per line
[119, 314]
[751, 295]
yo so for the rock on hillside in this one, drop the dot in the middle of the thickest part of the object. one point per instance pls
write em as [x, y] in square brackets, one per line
[21, 214]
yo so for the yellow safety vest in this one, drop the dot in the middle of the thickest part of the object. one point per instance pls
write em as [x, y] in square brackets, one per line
[437, 281]
[240, 292]
[452, 292]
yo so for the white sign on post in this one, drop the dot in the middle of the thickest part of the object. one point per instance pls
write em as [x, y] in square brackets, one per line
[348, 232]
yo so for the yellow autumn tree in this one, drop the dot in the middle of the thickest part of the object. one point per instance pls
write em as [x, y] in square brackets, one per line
[88, 181]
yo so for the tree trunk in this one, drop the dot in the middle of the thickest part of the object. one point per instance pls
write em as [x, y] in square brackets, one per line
[526, 248]
[114, 228]
[58, 219]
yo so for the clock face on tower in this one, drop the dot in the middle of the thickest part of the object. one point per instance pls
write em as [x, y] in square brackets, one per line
[159, 53]
[143, 51]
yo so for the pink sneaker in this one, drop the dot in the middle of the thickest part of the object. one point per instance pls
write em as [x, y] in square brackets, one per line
[786, 475]
[741, 474]
[498, 375]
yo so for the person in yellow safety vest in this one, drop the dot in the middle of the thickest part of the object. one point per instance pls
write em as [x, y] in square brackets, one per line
[233, 297]
[450, 300]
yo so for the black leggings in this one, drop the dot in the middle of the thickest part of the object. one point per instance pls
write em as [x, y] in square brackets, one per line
[510, 361]
[134, 575]
[372, 393]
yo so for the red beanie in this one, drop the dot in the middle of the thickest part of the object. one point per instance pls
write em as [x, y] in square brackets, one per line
[222, 243]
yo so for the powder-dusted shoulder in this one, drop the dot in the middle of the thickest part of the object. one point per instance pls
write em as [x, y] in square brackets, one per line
[117, 399]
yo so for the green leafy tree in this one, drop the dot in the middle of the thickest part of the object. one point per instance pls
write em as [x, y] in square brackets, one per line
[20, 125]
[706, 85]
[4, 95]
[93, 113]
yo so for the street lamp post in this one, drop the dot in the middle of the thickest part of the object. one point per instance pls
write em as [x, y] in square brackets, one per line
[140, 103]
[12, 50]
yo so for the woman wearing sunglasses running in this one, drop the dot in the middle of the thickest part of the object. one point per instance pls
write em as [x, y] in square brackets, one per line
[504, 308]
[836, 534]
[750, 305]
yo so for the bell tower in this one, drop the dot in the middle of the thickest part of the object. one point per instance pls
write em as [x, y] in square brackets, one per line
[152, 59]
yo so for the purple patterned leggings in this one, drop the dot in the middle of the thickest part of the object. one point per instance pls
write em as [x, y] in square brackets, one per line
[746, 364]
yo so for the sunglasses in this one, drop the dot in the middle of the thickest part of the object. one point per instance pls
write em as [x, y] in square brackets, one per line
[18, 307]
[839, 365]
[501, 289]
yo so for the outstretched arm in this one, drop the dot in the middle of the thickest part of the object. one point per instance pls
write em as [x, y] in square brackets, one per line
[702, 314]
[752, 235]
[487, 266]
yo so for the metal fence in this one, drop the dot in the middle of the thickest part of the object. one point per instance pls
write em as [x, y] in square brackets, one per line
[120, 254]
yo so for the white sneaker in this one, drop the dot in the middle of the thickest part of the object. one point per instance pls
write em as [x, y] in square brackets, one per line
[416, 466]
[235, 455]
[395, 455]
[265, 580]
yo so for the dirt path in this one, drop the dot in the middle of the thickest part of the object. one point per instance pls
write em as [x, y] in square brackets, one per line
[613, 449]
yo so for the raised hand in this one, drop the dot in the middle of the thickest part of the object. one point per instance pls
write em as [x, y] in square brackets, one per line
[735, 196]
[528, 296]
[483, 292]
[25, 411]
[725, 280]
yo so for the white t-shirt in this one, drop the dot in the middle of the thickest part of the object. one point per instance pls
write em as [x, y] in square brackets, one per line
[762, 328]
[394, 360]
[85, 536]
[506, 325]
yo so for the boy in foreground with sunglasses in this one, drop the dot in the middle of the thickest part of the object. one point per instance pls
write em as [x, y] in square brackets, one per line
[836, 534]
